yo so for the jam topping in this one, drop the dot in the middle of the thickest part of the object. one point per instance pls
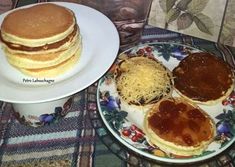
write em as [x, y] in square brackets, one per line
[180, 122]
[39, 48]
[202, 77]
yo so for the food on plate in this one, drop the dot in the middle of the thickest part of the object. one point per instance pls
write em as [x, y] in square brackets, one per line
[40, 39]
[203, 78]
[178, 127]
[53, 70]
[142, 80]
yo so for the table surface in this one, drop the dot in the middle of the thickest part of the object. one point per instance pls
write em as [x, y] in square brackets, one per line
[81, 139]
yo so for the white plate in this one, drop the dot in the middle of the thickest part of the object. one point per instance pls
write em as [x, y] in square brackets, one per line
[100, 47]
[126, 123]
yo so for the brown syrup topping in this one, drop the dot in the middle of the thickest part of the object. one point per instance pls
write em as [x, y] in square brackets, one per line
[39, 48]
[180, 123]
[202, 77]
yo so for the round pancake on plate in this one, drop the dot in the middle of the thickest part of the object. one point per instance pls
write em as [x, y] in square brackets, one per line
[203, 78]
[178, 127]
[142, 80]
[38, 25]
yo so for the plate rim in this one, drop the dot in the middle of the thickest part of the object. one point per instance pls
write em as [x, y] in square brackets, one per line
[30, 89]
[146, 154]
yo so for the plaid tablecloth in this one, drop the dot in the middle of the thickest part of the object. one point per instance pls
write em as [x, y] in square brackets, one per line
[73, 141]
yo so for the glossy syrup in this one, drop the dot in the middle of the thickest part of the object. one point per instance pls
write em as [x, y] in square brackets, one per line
[202, 77]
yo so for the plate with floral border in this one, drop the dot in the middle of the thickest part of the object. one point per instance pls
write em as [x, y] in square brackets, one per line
[126, 124]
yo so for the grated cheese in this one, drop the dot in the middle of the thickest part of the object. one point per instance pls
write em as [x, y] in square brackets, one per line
[143, 80]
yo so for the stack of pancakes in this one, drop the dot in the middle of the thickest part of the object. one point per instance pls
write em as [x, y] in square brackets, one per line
[41, 41]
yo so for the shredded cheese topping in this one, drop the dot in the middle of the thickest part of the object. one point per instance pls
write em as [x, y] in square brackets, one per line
[142, 80]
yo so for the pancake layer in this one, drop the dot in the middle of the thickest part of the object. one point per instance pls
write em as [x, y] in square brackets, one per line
[53, 71]
[29, 61]
[47, 22]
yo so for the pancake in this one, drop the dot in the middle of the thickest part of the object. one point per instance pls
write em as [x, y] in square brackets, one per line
[38, 25]
[142, 81]
[40, 39]
[43, 49]
[29, 61]
[203, 78]
[178, 127]
[53, 71]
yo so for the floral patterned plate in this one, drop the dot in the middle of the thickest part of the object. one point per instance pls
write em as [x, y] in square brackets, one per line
[125, 123]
